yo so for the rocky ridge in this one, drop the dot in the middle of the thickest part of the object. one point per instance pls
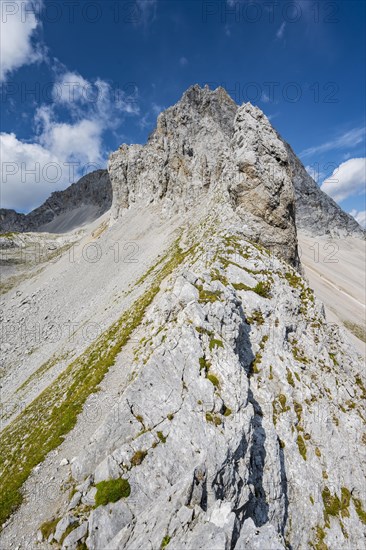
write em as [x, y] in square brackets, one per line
[240, 424]
[236, 420]
[93, 189]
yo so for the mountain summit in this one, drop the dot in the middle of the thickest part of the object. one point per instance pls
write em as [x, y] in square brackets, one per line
[207, 146]
[172, 381]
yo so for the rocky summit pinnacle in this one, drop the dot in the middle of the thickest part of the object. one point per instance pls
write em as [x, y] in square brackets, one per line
[207, 148]
[173, 382]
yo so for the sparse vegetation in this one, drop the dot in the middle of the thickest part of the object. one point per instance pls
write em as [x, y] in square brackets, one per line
[301, 445]
[111, 490]
[256, 317]
[213, 379]
[294, 280]
[161, 436]
[359, 509]
[138, 457]
[241, 286]
[214, 419]
[263, 289]
[165, 542]
[206, 296]
[61, 402]
[204, 364]
[226, 411]
[48, 528]
[290, 378]
[279, 406]
[299, 354]
[319, 543]
[360, 384]
[214, 343]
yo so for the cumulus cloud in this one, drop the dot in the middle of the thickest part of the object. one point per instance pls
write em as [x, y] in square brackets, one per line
[19, 22]
[348, 179]
[61, 152]
[360, 217]
[95, 98]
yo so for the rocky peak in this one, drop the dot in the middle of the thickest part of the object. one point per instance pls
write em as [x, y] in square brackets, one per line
[206, 148]
[207, 145]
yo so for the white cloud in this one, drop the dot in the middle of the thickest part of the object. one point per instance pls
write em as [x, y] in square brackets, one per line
[80, 141]
[183, 61]
[281, 30]
[360, 217]
[58, 143]
[31, 171]
[18, 25]
[71, 88]
[157, 109]
[20, 188]
[347, 180]
[349, 139]
[96, 97]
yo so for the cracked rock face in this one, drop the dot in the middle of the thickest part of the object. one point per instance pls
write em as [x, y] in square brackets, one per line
[207, 149]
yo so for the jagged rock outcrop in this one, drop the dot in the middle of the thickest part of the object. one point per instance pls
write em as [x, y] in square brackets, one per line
[92, 190]
[206, 143]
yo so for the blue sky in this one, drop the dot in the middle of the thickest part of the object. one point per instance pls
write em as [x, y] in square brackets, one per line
[79, 78]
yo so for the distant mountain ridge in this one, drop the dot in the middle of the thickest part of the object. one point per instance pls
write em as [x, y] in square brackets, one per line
[92, 190]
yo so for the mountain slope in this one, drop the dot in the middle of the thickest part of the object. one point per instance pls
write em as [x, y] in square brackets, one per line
[82, 202]
[201, 399]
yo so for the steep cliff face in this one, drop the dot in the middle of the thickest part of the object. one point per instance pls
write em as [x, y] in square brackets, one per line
[87, 199]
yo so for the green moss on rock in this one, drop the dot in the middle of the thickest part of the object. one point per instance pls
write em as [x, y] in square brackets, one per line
[111, 490]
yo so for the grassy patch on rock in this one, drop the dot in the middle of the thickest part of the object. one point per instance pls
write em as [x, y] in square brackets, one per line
[48, 528]
[111, 491]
